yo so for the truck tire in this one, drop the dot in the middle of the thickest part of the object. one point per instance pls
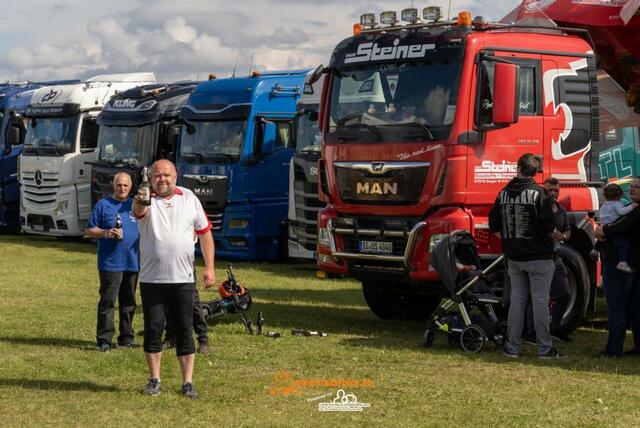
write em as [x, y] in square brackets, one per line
[387, 304]
[578, 278]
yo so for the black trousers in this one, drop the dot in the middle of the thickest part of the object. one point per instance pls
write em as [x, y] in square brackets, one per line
[176, 300]
[559, 292]
[121, 286]
[199, 322]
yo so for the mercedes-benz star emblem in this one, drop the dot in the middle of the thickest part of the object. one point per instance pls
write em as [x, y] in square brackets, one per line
[38, 177]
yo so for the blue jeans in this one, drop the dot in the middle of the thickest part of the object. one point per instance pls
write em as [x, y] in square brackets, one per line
[623, 297]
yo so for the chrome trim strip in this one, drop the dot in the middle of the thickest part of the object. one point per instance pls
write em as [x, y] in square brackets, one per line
[380, 167]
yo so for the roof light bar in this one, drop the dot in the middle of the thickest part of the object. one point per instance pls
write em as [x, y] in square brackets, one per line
[388, 17]
[432, 13]
[409, 15]
[368, 19]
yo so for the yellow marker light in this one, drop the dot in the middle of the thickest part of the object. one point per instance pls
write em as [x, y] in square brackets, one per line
[464, 18]
[255, 73]
[357, 29]
[212, 76]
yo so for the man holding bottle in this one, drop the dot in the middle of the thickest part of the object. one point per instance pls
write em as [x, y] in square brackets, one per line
[112, 222]
[169, 218]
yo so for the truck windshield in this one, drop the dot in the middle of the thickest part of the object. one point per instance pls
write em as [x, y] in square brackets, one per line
[394, 102]
[130, 146]
[219, 141]
[50, 136]
[308, 136]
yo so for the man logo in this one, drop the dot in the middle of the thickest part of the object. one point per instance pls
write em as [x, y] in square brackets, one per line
[38, 178]
[377, 167]
[377, 189]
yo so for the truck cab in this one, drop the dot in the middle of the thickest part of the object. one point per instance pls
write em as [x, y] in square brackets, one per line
[303, 174]
[137, 127]
[59, 147]
[236, 143]
[422, 126]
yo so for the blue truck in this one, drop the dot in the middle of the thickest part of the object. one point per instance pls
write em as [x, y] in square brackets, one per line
[235, 147]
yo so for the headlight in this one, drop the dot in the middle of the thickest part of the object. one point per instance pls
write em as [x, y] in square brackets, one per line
[324, 237]
[62, 207]
[435, 239]
[323, 258]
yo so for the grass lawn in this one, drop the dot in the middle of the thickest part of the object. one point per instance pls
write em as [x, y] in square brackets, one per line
[51, 373]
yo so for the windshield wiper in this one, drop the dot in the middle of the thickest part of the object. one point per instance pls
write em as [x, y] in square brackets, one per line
[131, 163]
[189, 155]
[342, 129]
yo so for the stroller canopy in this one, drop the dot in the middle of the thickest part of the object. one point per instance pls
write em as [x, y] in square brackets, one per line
[459, 246]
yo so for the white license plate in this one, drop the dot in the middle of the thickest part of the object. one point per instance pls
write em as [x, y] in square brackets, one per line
[38, 227]
[376, 247]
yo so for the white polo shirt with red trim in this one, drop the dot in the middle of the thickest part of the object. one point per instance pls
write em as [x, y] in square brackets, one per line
[167, 237]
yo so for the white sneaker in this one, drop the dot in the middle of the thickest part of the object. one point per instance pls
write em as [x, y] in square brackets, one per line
[624, 267]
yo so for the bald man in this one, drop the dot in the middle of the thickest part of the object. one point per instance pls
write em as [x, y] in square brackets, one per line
[167, 281]
[117, 262]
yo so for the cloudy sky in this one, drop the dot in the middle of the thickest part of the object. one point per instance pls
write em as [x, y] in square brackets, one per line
[184, 39]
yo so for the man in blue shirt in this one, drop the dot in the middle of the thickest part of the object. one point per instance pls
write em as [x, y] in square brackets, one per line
[117, 262]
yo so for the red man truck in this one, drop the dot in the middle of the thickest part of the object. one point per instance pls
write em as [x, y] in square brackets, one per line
[422, 126]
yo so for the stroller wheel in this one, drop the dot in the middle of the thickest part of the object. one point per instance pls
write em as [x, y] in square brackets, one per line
[427, 339]
[472, 338]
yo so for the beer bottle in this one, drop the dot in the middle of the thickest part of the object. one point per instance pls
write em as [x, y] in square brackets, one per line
[145, 187]
[119, 227]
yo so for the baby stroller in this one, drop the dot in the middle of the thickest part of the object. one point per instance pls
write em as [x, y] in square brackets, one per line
[456, 259]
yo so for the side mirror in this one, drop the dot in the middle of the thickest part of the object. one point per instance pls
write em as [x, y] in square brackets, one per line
[265, 137]
[268, 138]
[505, 94]
[14, 136]
[315, 76]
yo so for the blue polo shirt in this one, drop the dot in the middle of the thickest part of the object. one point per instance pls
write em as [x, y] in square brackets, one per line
[114, 255]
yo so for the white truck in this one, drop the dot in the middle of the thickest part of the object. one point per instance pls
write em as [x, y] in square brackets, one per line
[59, 148]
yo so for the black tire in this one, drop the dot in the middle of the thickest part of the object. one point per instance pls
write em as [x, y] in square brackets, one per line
[579, 289]
[428, 337]
[473, 338]
[387, 304]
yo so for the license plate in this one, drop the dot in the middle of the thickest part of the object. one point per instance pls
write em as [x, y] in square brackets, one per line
[376, 247]
[38, 227]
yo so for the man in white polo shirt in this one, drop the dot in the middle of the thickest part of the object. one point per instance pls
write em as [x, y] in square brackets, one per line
[167, 228]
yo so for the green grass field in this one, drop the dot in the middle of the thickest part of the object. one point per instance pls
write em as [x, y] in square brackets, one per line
[51, 373]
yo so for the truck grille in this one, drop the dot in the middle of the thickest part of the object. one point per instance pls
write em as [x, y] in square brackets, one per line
[381, 183]
[215, 218]
[41, 191]
[307, 204]
[393, 230]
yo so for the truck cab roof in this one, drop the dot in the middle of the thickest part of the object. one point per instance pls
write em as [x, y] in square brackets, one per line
[92, 94]
[235, 96]
[146, 104]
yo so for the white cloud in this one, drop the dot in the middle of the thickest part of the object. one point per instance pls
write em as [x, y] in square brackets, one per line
[190, 38]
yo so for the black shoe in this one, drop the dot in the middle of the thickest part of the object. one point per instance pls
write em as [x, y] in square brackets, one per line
[153, 387]
[552, 354]
[130, 344]
[203, 347]
[563, 337]
[189, 391]
[633, 352]
[104, 347]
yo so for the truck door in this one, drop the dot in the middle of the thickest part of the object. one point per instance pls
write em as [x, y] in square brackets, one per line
[492, 164]
[88, 144]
